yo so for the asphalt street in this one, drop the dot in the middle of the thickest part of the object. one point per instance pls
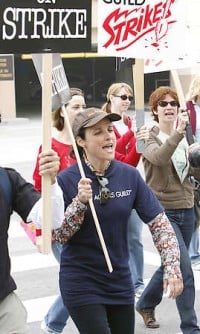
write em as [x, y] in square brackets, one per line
[36, 275]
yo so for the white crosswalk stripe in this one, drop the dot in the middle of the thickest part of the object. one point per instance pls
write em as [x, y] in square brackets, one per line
[38, 307]
[32, 262]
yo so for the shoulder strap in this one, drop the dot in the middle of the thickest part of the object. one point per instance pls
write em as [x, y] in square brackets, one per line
[5, 184]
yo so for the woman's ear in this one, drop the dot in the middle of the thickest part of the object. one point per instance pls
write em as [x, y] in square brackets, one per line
[111, 98]
[155, 112]
[80, 142]
[62, 113]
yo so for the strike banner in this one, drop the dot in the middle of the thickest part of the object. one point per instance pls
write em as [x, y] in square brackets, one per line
[45, 26]
[152, 29]
[158, 65]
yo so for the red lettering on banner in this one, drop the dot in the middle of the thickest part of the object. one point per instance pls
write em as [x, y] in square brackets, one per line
[153, 62]
[125, 27]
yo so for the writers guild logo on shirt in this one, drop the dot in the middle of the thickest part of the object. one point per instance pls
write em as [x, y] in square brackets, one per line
[104, 195]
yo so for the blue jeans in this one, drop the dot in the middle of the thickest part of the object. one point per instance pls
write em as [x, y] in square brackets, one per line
[182, 221]
[194, 249]
[57, 315]
[136, 255]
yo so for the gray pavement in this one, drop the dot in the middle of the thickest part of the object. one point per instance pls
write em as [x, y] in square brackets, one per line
[37, 275]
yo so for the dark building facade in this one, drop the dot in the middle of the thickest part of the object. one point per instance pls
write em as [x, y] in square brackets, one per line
[92, 74]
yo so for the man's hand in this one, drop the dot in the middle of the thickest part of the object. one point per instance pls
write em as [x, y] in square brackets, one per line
[49, 163]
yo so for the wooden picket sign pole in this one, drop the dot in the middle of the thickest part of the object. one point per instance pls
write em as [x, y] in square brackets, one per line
[178, 88]
[107, 258]
[138, 81]
[46, 145]
[181, 98]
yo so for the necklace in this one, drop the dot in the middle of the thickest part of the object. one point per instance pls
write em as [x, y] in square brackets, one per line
[97, 172]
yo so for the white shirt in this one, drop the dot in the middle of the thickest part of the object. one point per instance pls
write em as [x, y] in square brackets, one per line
[57, 207]
[121, 127]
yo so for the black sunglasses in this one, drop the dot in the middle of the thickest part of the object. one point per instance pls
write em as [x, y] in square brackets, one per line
[165, 103]
[104, 192]
[124, 97]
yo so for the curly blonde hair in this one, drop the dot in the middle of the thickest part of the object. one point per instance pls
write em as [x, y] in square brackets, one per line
[194, 89]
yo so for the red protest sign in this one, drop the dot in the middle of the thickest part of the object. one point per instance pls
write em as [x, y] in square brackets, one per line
[141, 29]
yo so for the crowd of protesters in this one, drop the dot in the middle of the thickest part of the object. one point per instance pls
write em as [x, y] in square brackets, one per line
[106, 141]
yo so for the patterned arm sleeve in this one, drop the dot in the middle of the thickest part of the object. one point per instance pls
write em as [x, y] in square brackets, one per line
[73, 219]
[166, 243]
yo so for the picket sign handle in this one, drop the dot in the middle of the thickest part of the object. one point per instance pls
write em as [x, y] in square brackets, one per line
[179, 89]
[46, 145]
[181, 98]
[138, 81]
[90, 201]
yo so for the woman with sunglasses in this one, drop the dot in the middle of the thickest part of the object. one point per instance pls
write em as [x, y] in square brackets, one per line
[100, 301]
[167, 172]
[119, 98]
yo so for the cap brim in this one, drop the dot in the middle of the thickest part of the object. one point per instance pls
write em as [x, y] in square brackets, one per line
[112, 117]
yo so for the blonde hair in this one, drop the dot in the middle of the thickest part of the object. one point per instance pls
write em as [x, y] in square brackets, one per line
[194, 89]
[114, 89]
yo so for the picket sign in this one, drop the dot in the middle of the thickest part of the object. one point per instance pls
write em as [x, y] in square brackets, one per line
[138, 81]
[43, 64]
[46, 145]
[55, 92]
[98, 228]
[77, 34]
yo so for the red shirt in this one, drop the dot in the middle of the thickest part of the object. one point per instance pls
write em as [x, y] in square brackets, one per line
[63, 151]
[126, 147]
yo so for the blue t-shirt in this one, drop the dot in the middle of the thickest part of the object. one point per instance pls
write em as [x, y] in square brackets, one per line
[84, 275]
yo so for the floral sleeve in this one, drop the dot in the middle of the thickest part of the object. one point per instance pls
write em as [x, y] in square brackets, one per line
[166, 243]
[73, 219]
